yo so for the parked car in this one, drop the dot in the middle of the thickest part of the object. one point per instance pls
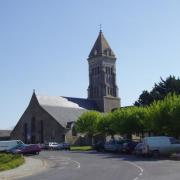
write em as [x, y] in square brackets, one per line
[128, 147]
[160, 145]
[57, 146]
[99, 146]
[46, 146]
[114, 145]
[53, 145]
[25, 149]
[6, 145]
[138, 149]
[64, 146]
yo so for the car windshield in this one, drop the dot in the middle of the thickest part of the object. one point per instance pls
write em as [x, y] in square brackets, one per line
[20, 142]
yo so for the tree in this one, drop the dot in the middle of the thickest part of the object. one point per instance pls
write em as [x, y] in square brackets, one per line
[128, 121]
[87, 123]
[164, 115]
[144, 99]
[105, 125]
[159, 91]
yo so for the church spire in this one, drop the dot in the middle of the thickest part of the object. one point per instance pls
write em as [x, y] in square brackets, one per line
[102, 75]
[101, 47]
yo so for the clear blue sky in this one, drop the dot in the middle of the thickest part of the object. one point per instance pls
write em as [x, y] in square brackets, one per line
[44, 45]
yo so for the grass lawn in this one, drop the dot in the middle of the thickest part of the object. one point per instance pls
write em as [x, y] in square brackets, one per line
[81, 148]
[10, 161]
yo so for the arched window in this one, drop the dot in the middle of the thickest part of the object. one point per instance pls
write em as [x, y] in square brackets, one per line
[98, 70]
[25, 133]
[106, 70]
[33, 130]
[111, 70]
[33, 124]
[42, 131]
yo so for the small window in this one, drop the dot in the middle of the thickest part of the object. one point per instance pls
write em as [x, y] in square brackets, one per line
[74, 133]
[68, 125]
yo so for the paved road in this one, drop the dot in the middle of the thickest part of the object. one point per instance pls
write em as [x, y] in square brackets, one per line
[97, 166]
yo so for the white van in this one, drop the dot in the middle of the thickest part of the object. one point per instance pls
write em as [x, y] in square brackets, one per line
[160, 145]
[6, 145]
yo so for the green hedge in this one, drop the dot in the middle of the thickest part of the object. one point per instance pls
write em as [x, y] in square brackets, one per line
[10, 161]
[81, 148]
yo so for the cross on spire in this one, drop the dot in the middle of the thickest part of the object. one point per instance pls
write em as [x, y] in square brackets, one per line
[100, 27]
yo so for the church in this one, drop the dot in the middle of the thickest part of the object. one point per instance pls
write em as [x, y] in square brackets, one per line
[52, 118]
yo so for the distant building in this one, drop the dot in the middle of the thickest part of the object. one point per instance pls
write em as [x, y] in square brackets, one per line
[5, 135]
[50, 118]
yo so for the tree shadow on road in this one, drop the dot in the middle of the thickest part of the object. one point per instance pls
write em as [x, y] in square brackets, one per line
[124, 157]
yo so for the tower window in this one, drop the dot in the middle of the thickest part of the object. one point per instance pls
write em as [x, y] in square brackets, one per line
[111, 70]
[98, 69]
[106, 70]
[105, 52]
[108, 90]
[109, 52]
[93, 71]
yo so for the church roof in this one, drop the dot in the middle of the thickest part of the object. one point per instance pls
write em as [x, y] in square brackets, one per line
[65, 109]
[101, 47]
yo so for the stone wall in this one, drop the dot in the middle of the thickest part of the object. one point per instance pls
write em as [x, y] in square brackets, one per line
[111, 103]
[46, 128]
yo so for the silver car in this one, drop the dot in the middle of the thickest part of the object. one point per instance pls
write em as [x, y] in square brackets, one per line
[113, 145]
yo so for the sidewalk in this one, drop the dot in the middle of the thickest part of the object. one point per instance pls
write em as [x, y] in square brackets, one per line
[30, 167]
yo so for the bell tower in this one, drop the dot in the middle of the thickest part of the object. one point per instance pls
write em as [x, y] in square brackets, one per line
[102, 75]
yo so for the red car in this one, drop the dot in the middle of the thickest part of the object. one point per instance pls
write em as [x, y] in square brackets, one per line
[26, 149]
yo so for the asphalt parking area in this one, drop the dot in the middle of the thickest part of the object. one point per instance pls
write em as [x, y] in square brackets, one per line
[66, 165]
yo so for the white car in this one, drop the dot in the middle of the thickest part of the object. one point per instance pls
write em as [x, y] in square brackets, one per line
[6, 145]
[160, 145]
[53, 145]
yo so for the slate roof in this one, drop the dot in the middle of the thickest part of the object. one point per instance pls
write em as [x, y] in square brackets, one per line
[65, 109]
[5, 133]
[101, 47]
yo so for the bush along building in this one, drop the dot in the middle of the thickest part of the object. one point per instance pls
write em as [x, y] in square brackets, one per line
[50, 118]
